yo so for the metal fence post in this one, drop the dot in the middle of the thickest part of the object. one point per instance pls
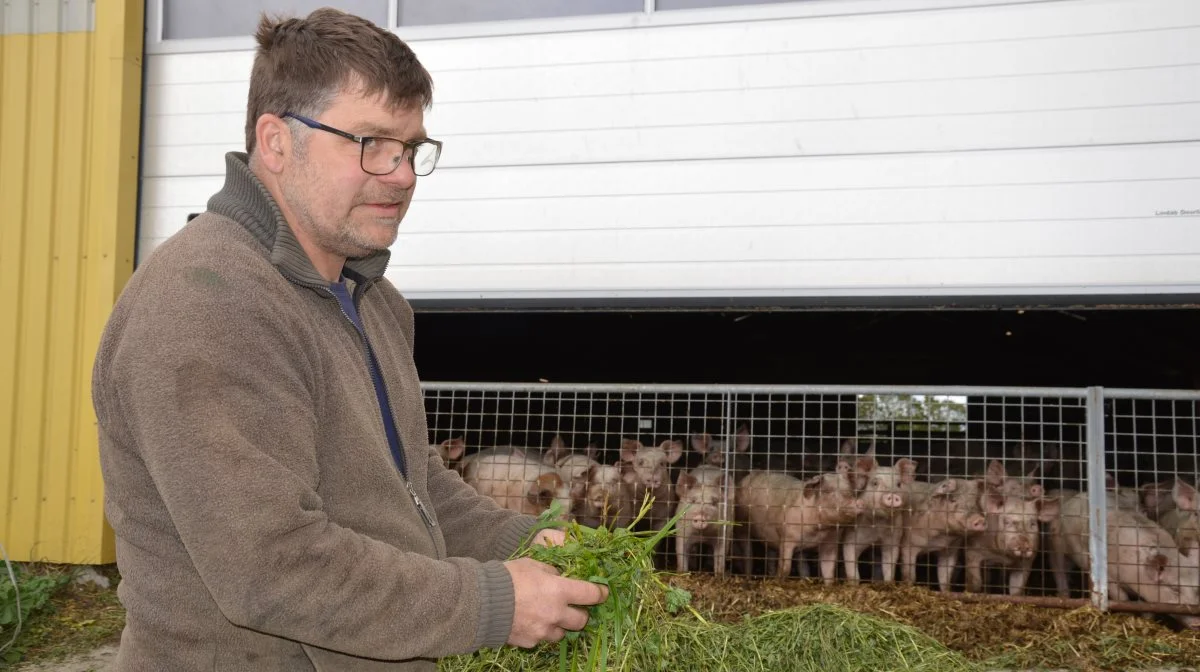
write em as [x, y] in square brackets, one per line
[1097, 498]
[726, 514]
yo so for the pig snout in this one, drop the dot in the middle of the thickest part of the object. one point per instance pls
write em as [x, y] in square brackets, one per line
[1022, 547]
[976, 523]
[893, 500]
[701, 516]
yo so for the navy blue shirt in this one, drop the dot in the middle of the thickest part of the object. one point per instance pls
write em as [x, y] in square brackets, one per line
[342, 293]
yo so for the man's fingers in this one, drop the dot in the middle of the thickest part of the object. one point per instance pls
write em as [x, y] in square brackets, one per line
[584, 592]
[574, 619]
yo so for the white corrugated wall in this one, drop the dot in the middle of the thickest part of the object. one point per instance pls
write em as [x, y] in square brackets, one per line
[1008, 150]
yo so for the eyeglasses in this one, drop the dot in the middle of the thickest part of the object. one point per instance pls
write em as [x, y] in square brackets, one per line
[382, 156]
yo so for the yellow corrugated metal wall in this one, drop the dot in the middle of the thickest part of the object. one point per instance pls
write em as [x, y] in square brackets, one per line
[70, 105]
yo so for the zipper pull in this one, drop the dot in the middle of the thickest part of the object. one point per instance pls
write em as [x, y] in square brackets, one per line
[420, 505]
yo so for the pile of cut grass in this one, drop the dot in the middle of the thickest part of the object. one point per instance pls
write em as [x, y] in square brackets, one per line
[991, 635]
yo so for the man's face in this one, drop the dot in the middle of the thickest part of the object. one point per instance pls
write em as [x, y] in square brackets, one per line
[343, 209]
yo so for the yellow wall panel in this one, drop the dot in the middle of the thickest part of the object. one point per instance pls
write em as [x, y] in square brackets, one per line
[14, 121]
[69, 131]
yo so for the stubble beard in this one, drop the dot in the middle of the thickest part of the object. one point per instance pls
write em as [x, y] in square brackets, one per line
[342, 236]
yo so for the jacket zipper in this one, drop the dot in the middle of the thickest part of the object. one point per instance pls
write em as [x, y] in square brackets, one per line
[420, 506]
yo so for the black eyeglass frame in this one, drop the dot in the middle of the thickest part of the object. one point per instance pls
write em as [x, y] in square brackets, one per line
[362, 140]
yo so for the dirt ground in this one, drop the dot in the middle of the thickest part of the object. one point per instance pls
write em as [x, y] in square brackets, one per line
[98, 660]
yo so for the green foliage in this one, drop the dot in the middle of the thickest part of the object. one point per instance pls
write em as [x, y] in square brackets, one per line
[908, 412]
[34, 590]
[621, 559]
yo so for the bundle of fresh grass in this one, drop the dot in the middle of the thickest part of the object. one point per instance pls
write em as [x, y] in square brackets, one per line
[648, 625]
[621, 559]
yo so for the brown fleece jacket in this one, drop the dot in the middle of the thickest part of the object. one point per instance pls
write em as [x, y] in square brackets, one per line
[261, 522]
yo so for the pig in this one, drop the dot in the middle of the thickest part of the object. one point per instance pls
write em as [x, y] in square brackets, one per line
[885, 507]
[718, 452]
[1182, 521]
[450, 450]
[649, 475]
[517, 482]
[1143, 559]
[1129, 499]
[572, 465]
[706, 502]
[1061, 465]
[942, 516]
[790, 514]
[997, 478]
[603, 497]
[1156, 498]
[487, 453]
[559, 454]
[1010, 538]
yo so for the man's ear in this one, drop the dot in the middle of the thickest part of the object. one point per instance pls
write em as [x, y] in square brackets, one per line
[273, 141]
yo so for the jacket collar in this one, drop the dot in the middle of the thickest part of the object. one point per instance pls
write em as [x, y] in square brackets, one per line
[245, 200]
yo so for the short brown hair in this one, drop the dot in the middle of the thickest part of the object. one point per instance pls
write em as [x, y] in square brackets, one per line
[302, 64]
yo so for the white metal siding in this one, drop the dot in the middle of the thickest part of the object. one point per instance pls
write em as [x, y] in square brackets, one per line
[1030, 149]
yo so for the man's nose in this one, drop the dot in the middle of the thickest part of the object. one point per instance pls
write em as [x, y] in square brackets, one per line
[403, 176]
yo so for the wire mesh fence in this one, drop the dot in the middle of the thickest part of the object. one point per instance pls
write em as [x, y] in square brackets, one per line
[962, 489]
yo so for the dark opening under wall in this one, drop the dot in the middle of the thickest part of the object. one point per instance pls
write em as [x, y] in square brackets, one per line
[1154, 348]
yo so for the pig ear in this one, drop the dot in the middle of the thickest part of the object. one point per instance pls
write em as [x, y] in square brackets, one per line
[701, 443]
[871, 449]
[629, 449]
[850, 447]
[1189, 546]
[1185, 496]
[945, 487]
[673, 449]
[908, 470]
[993, 501]
[1033, 473]
[811, 487]
[1151, 496]
[1047, 509]
[684, 483]
[1109, 481]
[743, 439]
[995, 473]
[592, 450]
[865, 464]
[556, 452]
[454, 447]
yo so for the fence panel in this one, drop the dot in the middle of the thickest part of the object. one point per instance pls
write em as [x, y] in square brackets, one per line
[979, 489]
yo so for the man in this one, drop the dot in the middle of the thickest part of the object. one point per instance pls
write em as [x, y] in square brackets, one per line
[262, 431]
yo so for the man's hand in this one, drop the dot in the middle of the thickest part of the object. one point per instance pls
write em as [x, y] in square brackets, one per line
[550, 537]
[547, 605]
